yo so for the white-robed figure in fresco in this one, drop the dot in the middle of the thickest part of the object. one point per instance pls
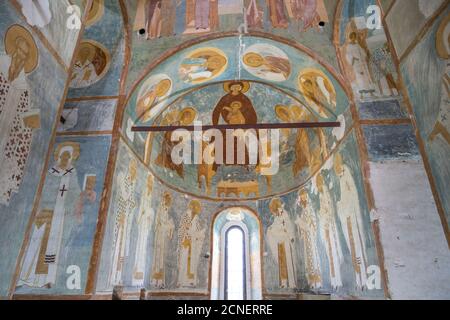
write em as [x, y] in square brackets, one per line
[190, 243]
[281, 241]
[308, 228]
[17, 120]
[358, 70]
[41, 260]
[349, 213]
[144, 222]
[164, 229]
[125, 208]
[329, 233]
[37, 12]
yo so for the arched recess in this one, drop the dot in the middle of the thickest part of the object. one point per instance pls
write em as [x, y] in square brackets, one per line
[248, 222]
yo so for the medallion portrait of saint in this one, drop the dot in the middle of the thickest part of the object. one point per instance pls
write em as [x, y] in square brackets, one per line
[202, 65]
[92, 63]
[152, 96]
[318, 91]
[267, 62]
[18, 119]
[442, 125]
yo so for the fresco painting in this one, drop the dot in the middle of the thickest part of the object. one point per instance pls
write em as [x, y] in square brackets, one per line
[426, 72]
[64, 227]
[28, 74]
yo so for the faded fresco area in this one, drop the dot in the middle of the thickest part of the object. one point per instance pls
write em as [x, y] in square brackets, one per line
[426, 72]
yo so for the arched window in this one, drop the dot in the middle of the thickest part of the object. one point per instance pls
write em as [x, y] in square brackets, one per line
[236, 238]
[235, 264]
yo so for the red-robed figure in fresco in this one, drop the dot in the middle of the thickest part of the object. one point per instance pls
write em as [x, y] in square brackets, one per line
[234, 108]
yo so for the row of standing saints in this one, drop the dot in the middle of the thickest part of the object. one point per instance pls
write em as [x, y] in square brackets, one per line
[315, 227]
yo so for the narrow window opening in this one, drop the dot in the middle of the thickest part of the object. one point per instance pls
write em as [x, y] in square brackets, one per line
[235, 267]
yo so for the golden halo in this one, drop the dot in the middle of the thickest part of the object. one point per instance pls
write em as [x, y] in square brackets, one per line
[196, 206]
[15, 32]
[163, 87]
[187, 116]
[75, 147]
[216, 62]
[253, 59]
[274, 204]
[95, 13]
[440, 41]
[245, 86]
[283, 113]
[93, 46]
[88, 47]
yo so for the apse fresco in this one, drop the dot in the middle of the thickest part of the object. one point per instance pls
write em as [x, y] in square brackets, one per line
[256, 103]
[64, 226]
[226, 64]
[306, 93]
[426, 75]
[83, 193]
[31, 110]
[319, 238]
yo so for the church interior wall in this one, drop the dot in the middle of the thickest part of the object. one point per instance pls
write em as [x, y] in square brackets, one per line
[46, 90]
[365, 217]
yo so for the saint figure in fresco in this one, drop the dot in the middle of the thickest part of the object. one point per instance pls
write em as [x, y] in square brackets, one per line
[383, 70]
[349, 214]
[144, 221]
[234, 108]
[164, 229]
[175, 118]
[254, 15]
[125, 207]
[307, 225]
[90, 65]
[356, 59]
[154, 19]
[329, 232]
[318, 91]
[278, 14]
[43, 255]
[18, 120]
[281, 241]
[190, 243]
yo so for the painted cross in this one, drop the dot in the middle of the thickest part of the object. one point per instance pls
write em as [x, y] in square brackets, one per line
[63, 190]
